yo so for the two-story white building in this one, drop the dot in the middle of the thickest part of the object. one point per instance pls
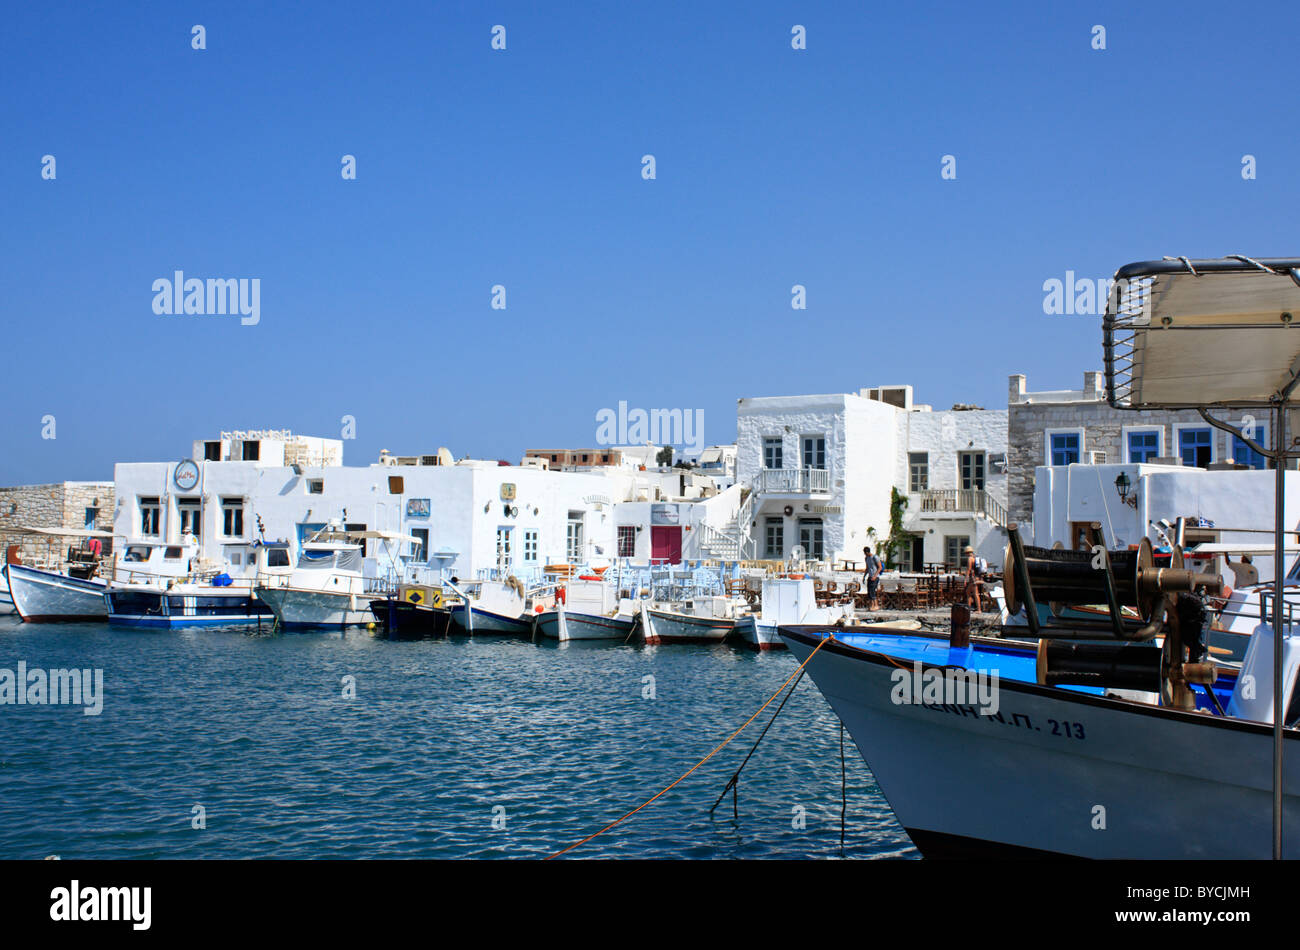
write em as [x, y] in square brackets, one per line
[821, 471]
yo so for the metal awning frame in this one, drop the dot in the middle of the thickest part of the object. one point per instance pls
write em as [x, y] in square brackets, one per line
[1128, 311]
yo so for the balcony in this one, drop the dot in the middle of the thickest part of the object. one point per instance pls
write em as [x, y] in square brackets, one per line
[794, 481]
[961, 500]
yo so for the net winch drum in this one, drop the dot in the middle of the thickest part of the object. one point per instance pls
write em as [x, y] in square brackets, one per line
[1061, 577]
[1114, 665]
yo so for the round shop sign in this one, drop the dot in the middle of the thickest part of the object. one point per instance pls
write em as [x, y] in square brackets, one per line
[186, 475]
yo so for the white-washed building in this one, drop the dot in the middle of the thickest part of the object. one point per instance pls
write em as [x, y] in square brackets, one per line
[469, 517]
[820, 473]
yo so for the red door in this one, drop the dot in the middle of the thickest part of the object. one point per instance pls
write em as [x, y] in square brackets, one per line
[666, 544]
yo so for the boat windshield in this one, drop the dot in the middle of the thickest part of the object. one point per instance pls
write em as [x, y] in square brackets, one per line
[136, 553]
[277, 557]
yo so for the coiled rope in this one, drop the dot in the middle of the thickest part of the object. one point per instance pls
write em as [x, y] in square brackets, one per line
[720, 747]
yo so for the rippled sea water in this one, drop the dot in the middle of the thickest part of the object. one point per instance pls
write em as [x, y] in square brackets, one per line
[440, 737]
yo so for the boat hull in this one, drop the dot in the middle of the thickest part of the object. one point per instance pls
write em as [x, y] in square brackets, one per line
[46, 596]
[297, 609]
[487, 621]
[1130, 781]
[199, 607]
[563, 625]
[664, 626]
[399, 620]
[758, 635]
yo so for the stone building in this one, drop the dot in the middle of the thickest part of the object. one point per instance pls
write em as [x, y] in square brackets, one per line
[1062, 427]
[72, 505]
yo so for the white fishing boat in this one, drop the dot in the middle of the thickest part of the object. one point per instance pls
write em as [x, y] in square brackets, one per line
[69, 588]
[589, 610]
[490, 606]
[328, 588]
[1120, 749]
[707, 619]
[787, 600]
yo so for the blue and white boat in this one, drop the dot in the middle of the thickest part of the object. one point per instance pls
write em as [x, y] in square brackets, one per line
[167, 586]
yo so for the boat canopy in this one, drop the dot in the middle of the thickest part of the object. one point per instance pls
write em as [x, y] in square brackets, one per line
[1183, 334]
[69, 532]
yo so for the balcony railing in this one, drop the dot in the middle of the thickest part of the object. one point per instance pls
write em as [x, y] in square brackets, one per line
[794, 480]
[973, 500]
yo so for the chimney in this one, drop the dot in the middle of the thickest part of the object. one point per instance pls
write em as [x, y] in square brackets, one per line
[1016, 389]
[1092, 386]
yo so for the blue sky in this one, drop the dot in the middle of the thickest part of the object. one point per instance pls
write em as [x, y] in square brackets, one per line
[522, 168]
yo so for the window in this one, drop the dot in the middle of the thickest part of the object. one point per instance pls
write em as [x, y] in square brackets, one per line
[772, 452]
[172, 553]
[530, 547]
[810, 538]
[774, 538]
[1064, 448]
[395, 484]
[315, 486]
[814, 451]
[136, 554]
[252, 451]
[189, 512]
[1143, 445]
[1195, 446]
[1243, 454]
[421, 535]
[232, 517]
[627, 540]
[150, 517]
[971, 467]
[277, 557]
[574, 549]
[918, 469]
[953, 545]
[212, 451]
[505, 550]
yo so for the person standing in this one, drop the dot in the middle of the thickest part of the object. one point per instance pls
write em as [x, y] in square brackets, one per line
[974, 580]
[871, 574]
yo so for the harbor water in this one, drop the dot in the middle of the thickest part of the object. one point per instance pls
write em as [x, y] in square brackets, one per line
[228, 743]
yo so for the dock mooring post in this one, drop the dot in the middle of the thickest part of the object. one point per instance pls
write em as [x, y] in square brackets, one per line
[960, 635]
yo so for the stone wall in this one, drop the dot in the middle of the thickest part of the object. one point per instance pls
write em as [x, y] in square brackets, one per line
[60, 505]
[1029, 422]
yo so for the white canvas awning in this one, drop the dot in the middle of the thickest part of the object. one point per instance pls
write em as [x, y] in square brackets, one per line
[1184, 333]
[69, 532]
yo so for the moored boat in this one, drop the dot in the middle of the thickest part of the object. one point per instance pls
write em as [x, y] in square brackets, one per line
[701, 620]
[399, 619]
[43, 596]
[787, 600]
[492, 607]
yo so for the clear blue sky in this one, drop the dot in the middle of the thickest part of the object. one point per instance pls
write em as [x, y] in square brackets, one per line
[523, 168]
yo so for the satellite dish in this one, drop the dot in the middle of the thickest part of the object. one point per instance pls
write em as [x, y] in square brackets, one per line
[444, 456]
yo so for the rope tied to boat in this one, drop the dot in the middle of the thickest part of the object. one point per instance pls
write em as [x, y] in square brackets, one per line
[719, 748]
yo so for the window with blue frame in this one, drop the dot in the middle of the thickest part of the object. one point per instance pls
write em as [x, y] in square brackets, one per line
[1243, 454]
[1064, 448]
[1143, 446]
[1194, 447]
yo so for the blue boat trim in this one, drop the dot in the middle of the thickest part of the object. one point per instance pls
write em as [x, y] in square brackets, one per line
[810, 636]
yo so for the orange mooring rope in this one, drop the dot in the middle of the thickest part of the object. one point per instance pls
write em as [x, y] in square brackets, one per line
[829, 636]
